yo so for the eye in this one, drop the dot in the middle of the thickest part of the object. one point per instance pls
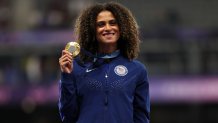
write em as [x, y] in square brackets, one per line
[113, 22]
[100, 24]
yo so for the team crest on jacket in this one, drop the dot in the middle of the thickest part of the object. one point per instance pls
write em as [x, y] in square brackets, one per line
[120, 70]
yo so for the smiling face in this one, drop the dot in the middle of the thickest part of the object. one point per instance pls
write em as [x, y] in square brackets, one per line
[107, 29]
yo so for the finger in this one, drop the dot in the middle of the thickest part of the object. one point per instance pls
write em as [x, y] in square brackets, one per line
[66, 69]
[65, 58]
[66, 62]
[66, 65]
[67, 55]
[66, 52]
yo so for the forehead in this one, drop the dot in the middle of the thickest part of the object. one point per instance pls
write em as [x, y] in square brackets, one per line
[105, 15]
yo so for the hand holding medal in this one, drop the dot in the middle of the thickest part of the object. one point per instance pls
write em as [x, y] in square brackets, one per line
[72, 49]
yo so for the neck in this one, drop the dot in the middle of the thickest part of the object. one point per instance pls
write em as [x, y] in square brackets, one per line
[107, 48]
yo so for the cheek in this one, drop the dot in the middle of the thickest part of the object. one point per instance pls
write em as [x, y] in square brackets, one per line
[118, 30]
[118, 34]
[98, 33]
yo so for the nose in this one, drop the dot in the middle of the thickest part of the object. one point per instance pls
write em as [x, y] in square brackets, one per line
[107, 27]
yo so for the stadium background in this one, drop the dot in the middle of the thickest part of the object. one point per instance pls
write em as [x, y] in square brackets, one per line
[179, 47]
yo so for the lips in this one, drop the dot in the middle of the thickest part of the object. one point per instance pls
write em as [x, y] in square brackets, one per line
[108, 34]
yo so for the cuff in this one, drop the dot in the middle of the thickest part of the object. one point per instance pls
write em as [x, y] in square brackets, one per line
[66, 77]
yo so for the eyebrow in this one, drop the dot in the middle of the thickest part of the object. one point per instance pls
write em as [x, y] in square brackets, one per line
[109, 20]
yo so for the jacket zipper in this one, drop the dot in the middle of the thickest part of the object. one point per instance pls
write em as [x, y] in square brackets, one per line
[106, 91]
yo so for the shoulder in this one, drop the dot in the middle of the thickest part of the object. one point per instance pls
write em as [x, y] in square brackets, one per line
[136, 64]
[139, 65]
[141, 69]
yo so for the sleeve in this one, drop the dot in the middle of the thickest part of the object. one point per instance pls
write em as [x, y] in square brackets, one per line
[68, 99]
[141, 102]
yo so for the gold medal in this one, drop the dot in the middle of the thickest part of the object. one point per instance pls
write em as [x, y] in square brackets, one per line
[73, 47]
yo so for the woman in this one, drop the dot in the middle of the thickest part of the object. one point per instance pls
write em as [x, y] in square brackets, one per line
[104, 84]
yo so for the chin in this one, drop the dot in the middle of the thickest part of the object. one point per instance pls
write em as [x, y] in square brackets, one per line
[109, 42]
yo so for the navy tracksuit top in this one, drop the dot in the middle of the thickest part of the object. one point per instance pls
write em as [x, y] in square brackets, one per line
[117, 91]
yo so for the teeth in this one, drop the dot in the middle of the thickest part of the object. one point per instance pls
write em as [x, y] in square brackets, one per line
[109, 34]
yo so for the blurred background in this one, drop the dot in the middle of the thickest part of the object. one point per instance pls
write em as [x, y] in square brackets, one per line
[179, 48]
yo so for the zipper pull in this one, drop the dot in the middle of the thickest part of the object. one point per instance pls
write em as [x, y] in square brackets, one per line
[106, 76]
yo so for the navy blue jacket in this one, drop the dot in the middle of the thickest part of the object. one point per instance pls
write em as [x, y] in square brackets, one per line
[116, 91]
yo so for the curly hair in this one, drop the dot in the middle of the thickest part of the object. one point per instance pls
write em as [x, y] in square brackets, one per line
[85, 30]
